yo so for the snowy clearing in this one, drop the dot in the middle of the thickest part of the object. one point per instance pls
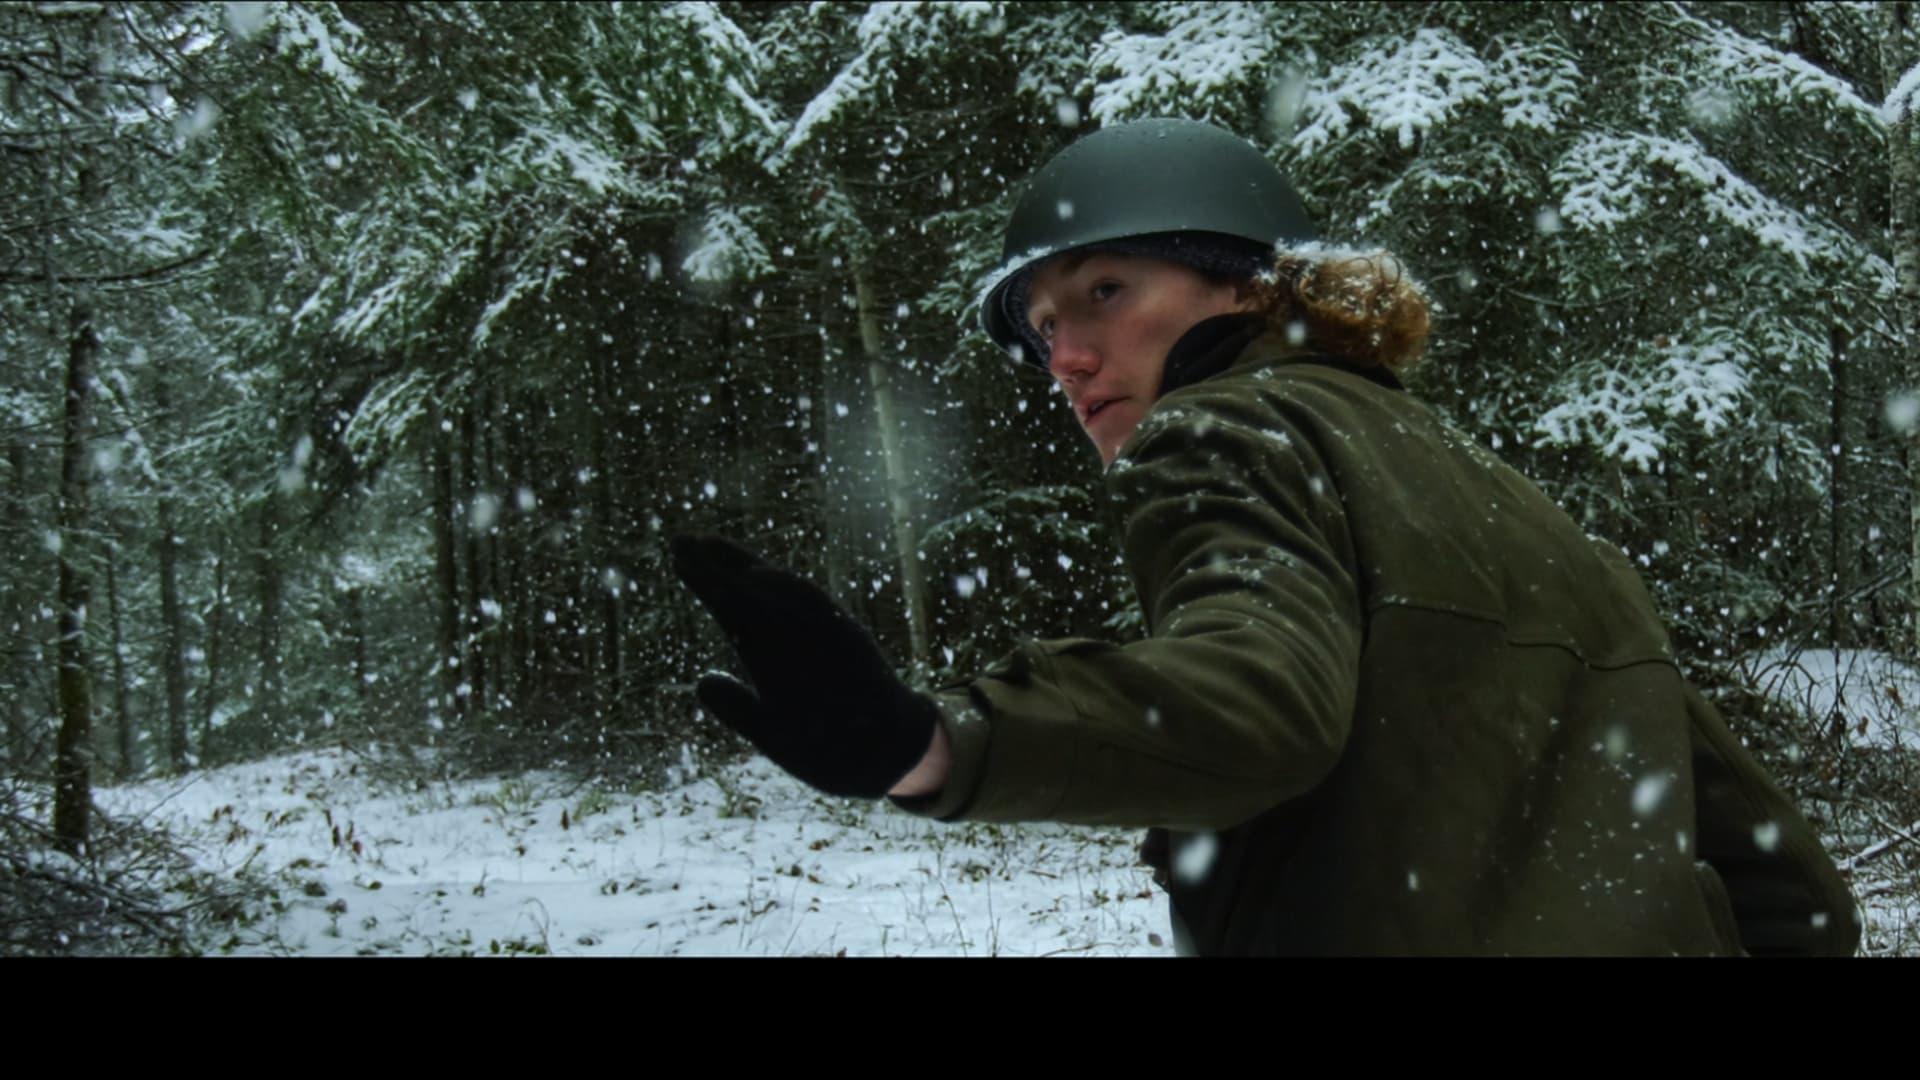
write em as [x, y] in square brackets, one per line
[754, 865]
[749, 864]
[1876, 694]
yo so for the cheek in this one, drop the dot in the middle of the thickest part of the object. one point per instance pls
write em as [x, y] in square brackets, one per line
[1205, 303]
[1173, 320]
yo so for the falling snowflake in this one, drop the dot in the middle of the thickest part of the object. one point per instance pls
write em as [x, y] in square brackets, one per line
[1903, 412]
[1195, 859]
[1648, 793]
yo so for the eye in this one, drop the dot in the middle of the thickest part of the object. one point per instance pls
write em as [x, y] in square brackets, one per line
[1046, 328]
[1105, 289]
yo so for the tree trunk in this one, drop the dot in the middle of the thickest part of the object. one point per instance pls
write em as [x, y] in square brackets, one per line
[516, 558]
[122, 714]
[216, 633]
[469, 507]
[498, 662]
[1838, 631]
[899, 492]
[73, 753]
[73, 748]
[354, 600]
[272, 600]
[19, 630]
[1897, 55]
[173, 662]
[611, 592]
[836, 545]
[173, 637]
[447, 572]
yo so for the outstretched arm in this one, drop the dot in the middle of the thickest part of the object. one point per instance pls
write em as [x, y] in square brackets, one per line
[1243, 696]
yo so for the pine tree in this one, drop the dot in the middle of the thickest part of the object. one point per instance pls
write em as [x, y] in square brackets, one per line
[1638, 282]
[93, 230]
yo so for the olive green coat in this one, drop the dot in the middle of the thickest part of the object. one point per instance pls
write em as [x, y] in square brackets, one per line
[1393, 700]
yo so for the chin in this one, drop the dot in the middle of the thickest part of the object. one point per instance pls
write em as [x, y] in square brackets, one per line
[1110, 450]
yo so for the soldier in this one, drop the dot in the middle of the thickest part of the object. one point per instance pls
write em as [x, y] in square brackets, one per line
[1392, 699]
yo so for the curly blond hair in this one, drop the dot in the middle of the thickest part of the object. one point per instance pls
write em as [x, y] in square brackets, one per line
[1361, 306]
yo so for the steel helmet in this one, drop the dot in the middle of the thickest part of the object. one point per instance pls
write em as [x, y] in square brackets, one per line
[1134, 180]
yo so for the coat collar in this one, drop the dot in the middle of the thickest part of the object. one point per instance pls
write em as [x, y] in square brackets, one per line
[1216, 344]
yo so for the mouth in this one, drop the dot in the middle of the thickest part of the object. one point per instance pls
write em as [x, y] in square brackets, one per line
[1094, 409]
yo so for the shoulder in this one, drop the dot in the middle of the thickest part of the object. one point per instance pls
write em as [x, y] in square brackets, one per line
[1288, 376]
[1316, 384]
[1218, 422]
[1234, 442]
[1277, 400]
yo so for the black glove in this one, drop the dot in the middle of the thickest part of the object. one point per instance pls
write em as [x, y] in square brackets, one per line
[824, 704]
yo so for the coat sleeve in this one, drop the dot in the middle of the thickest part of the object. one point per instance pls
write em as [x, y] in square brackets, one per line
[1242, 696]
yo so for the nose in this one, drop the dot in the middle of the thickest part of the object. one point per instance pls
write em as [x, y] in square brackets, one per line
[1071, 355]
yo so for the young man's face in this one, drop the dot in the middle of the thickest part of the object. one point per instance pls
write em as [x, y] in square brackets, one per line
[1111, 320]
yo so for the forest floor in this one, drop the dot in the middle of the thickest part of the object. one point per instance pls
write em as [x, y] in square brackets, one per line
[328, 852]
[749, 864]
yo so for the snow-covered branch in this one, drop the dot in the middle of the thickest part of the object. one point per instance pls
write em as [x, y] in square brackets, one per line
[1899, 104]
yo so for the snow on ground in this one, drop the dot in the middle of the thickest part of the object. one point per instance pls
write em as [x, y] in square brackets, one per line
[1877, 699]
[751, 864]
[1878, 696]
[1889, 902]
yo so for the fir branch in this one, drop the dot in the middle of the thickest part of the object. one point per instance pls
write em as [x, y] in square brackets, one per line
[148, 274]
